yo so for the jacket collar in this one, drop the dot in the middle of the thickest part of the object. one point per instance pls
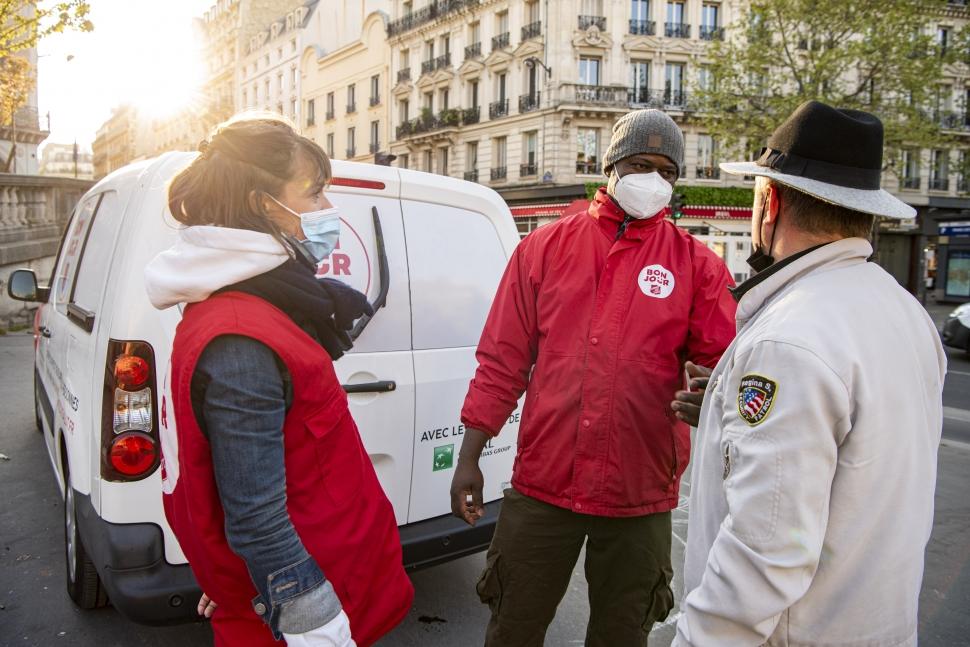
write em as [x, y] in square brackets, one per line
[608, 213]
[848, 251]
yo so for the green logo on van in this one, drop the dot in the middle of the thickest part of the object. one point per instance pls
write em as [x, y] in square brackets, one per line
[444, 458]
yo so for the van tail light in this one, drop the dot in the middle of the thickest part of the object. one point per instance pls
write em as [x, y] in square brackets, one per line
[129, 420]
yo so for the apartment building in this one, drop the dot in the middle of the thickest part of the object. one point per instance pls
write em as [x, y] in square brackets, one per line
[346, 89]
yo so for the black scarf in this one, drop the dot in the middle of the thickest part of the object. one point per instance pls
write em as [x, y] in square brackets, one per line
[324, 308]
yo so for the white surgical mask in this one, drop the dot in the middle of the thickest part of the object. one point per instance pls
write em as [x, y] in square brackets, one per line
[321, 228]
[641, 195]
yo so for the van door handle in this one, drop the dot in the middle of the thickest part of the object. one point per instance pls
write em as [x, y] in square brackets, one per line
[383, 386]
[45, 332]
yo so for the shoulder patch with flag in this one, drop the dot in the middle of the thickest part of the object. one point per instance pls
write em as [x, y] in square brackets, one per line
[755, 397]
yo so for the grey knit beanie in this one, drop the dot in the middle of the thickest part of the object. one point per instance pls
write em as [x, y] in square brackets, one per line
[645, 131]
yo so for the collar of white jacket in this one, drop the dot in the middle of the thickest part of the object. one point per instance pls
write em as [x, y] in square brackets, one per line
[841, 252]
[205, 259]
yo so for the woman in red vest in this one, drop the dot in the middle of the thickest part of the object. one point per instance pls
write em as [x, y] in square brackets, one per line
[266, 483]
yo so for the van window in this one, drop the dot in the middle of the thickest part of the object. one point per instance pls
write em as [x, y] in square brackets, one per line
[455, 260]
[75, 237]
[92, 271]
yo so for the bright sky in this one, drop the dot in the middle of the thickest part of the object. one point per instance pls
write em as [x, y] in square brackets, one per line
[143, 51]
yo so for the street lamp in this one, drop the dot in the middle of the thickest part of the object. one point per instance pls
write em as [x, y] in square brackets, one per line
[532, 61]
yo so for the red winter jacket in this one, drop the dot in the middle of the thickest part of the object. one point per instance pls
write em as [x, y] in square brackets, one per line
[604, 326]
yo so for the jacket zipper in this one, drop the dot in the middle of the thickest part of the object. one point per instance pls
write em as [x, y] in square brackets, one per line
[619, 232]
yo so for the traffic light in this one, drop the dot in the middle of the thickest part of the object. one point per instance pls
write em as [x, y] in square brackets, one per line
[677, 206]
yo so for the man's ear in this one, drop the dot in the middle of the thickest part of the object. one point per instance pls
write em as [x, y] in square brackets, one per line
[773, 204]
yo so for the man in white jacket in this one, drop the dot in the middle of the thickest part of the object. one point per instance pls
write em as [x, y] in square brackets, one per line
[815, 462]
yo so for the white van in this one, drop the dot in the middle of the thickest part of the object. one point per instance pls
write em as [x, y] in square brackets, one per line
[427, 250]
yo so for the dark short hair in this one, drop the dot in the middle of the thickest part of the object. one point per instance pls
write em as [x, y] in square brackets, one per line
[242, 156]
[815, 216]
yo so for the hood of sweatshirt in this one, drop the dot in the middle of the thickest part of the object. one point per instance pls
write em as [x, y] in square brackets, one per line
[205, 259]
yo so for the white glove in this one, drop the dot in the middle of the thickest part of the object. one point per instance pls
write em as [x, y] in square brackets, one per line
[335, 633]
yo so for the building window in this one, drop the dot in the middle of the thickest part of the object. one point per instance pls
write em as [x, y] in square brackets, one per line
[293, 45]
[279, 54]
[707, 168]
[943, 38]
[330, 145]
[311, 112]
[405, 111]
[640, 82]
[351, 142]
[404, 160]
[589, 70]
[911, 175]
[530, 164]
[705, 79]
[471, 161]
[293, 78]
[279, 83]
[640, 11]
[591, 8]
[499, 169]
[475, 33]
[429, 102]
[351, 99]
[501, 85]
[526, 225]
[375, 137]
[502, 22]
[709, 21]
[375, 90]
[331, 111]
[940, 171]
[429, 161]
[587, 153]
[445, 94]
[266, 88]
[255, 94]
[408, 8]
[443, 160]
[245, 99]
[674, 84]
[293, 109]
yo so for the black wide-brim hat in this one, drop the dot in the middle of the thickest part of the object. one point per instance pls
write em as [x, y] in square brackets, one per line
[831, 154]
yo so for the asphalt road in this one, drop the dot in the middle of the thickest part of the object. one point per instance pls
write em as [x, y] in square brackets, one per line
[35, 609]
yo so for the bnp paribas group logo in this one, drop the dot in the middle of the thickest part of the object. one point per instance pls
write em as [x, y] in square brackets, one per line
[444, 458]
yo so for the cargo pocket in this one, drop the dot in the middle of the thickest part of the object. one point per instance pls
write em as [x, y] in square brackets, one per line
[661, 602]
[489, 587]
[338, 452]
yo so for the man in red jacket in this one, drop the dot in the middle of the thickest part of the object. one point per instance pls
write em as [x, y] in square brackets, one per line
[594, 319]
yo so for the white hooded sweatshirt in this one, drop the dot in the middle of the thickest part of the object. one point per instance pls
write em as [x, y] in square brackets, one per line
[815, 463]
[205, 259]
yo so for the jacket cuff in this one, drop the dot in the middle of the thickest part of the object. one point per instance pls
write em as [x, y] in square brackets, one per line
[485, 412]
[285, 586]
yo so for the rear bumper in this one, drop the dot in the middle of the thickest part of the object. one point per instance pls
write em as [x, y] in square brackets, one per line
[956, 334]
[442, 539]
[130, 559]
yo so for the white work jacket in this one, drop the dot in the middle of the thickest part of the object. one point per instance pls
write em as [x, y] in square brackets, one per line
[815, 462]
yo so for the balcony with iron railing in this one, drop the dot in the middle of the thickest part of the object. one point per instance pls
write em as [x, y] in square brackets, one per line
[963, 185]
[676, 30]
[529, 102]
[351, 152]
[912, 183]
[471, 115]
[473, 51]
[952, 120]
[499, 173]
[588, 168]
[711, 32]
[528, 169]
[708, 173]
[939, 184]
[471, 176]
[593, 95]
[375, 101]
[404, 75]
[446, 119]
[501, 41]
[351, 108]
[498, 109]
[585, 22]
[330, 115]
[432, 12]
[643, 27]
[374, 147]
[532, 30]
[427, 67]
[443, 61]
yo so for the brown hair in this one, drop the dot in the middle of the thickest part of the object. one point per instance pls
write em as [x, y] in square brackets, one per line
[814, 216]
[243, 157]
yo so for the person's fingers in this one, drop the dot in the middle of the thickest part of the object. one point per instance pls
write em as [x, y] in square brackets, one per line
[203, 604]
[688, 397]
[695, 370]
[698, 383]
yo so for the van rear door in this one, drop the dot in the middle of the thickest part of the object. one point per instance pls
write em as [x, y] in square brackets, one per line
[456, 260]
[379, 372]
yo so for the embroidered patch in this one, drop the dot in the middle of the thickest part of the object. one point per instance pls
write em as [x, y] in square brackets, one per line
[755, 397]
[656, 281]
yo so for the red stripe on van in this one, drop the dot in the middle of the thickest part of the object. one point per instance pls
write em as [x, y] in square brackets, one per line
[357, 184]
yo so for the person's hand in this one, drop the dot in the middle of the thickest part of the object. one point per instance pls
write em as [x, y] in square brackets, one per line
[335, 633]
[206, 606]
[687, 404]
[466, 491]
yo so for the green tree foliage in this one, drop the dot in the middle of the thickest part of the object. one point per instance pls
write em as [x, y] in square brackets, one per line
[22, 24]
[881, 56]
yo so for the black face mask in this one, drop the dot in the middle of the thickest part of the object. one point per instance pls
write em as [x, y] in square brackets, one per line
[762, 259]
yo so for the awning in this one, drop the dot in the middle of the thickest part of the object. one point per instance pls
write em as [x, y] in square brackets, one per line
[716, 213]
[539, 210]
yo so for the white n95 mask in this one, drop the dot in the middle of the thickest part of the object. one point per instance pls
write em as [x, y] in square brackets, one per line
[641, 195]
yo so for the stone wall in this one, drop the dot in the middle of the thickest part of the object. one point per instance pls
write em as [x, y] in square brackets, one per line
[33, 213]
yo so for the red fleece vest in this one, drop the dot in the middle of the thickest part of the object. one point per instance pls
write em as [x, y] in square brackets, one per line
[333, 496]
